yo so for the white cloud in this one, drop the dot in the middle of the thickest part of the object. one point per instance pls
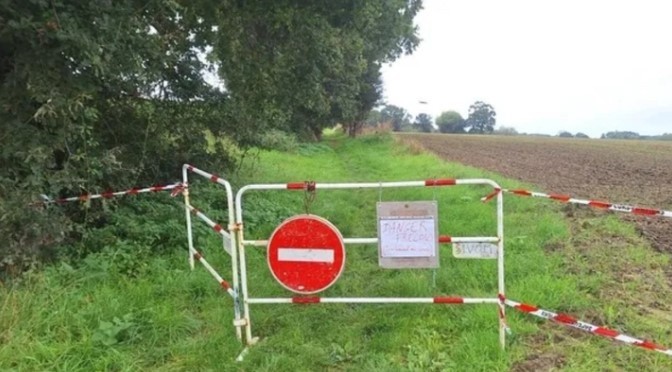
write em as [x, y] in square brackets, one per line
[589, 66]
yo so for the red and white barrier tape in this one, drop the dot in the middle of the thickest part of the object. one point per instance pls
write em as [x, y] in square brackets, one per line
[591, 203]
[176, 188]
[215, 226]
[570, 321]
[211, 176]
[442, 300]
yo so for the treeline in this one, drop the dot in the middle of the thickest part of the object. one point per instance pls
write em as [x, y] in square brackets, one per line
[635, 135]
[481, 120]
[619, 135]
[98, 95]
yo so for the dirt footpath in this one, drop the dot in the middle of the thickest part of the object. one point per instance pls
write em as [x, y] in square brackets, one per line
[625, 172]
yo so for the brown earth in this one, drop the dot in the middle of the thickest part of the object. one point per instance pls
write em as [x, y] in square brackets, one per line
[624, 172]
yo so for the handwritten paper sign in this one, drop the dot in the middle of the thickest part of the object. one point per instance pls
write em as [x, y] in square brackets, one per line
[407, 235]
[475, 250]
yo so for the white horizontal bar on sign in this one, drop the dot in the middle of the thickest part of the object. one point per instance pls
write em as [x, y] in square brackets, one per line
[306, 255]
[475, 239]
[372, 300]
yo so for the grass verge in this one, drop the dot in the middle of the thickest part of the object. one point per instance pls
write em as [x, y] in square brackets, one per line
[91, 316]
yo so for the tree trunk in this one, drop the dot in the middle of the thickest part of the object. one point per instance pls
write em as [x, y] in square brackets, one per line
[354, 128]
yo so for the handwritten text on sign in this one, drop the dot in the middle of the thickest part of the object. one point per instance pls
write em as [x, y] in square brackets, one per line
[475, 250]
[407, 237]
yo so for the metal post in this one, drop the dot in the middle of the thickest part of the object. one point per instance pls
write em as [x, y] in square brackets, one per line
[190, 237]
[500, 270]
[243, 267]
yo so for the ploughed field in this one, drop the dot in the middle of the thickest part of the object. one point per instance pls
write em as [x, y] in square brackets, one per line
[619, 171]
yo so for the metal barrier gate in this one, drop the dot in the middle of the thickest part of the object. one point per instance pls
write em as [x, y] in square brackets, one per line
[234, 244]
[317, 254]
[228, 239]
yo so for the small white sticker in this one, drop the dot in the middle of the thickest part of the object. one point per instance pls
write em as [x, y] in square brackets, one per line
[475, 250]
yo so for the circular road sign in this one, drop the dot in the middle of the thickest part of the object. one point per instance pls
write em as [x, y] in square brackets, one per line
[306, 254]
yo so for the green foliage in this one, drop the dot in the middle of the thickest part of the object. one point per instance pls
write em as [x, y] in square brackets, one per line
[163, 319]
[278, 140]
[621, 135]
[506, 131]
[423, 123]
[581, 135]
[113, 332]
[91, 100]
[451, 122]
[374, 118]
[482, 118]
[426, 352]
[100, 95]
[565, 134]
[397, 116]
[305, 66]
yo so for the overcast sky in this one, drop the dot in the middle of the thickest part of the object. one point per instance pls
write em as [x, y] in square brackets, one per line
[589, 66]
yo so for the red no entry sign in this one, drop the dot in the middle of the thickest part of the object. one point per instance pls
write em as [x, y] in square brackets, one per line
[306, 254]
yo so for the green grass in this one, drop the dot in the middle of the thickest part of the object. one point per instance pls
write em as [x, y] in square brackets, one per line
[95, 317]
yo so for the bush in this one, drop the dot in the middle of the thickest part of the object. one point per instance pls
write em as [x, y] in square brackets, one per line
[278, 140]
[506, 131]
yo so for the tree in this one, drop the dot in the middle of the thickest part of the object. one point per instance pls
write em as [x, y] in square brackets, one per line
[581, 135]
[506, 131]
[303, 65]
[374, 118]
[565, 134]
[482, 118]
[450, 122]
[423, 123]
[397, 116]
[101, 94]
[97, 95]
[621, 135]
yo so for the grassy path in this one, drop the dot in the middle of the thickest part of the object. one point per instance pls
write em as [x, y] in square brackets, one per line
[94, 316]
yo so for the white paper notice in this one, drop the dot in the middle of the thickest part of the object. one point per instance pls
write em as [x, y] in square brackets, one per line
[407, 237]
[475, 250]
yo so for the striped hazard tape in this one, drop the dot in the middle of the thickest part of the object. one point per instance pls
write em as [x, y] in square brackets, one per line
[175, 189]
[216, 227]
[570, 321]
[223, 283]
[591, 203]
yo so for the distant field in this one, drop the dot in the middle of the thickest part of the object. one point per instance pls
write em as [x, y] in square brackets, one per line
[620, 171]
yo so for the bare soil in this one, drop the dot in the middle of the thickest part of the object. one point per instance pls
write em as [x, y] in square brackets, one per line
[624, 172]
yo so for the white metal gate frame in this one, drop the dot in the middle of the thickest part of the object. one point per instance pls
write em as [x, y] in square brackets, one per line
[225, 233]
[500, 299]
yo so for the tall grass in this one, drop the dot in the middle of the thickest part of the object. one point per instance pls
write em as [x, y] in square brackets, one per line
[92, 316]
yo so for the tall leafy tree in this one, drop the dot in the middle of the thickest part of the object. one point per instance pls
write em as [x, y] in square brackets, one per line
[423, 122]
[100, 94]
[397, 116]
[307, 65]
[451, 122]
[482, 118]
